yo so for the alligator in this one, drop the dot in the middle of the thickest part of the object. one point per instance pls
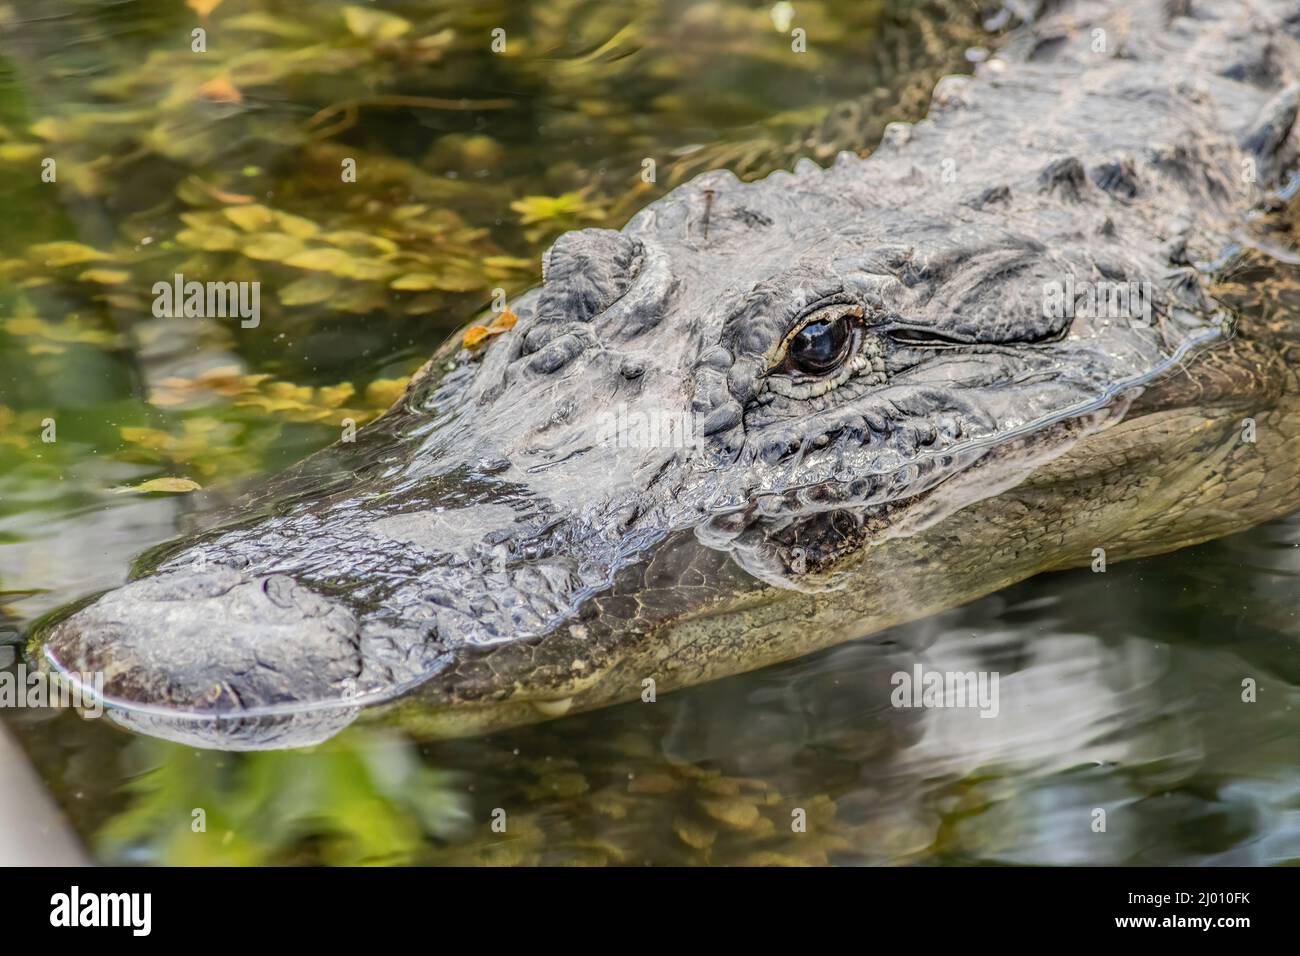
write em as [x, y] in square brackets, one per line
[765, 418]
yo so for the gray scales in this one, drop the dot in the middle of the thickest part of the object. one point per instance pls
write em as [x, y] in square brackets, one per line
[883, 419]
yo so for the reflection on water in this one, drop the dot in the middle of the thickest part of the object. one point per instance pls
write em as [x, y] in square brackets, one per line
[1118, 693]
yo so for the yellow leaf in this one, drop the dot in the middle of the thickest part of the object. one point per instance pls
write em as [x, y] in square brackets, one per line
[203, 7]
[320, 260]
[309, 290]
[219, 90]
[289, 392]
[296, 225]
[105, 276]
[383, 392]
[50, 129]
[450, 280]
[355, 240]
[210, 240]
[415, 282]
[249, 218]
[151, 438]
[359, 299]
[173, 486]
[374, 24]
[272, 247]
[366, 270]
[56, 254]
[477, 335]
[332, 396]
[508, 262]
[19, 152]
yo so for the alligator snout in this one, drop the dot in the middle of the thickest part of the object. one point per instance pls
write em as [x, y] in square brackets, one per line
[193, 655]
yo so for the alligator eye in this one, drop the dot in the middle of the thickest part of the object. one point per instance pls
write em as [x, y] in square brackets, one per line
[819, 347]
[820, 354]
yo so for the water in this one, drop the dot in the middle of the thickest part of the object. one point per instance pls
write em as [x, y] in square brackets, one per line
[1120, 693]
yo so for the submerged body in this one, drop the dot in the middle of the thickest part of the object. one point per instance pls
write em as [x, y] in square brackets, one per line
[766, 418]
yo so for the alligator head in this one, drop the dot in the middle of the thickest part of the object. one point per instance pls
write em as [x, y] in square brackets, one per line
[699, 433]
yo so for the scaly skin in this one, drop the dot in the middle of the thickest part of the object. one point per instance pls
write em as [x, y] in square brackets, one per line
[495, 550]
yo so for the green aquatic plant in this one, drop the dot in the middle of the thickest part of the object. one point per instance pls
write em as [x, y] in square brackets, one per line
[361, 799]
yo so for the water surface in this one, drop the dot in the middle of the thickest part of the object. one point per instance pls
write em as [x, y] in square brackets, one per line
[1119, 692]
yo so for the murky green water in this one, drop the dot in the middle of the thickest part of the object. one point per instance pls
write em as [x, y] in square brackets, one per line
[1120, 692]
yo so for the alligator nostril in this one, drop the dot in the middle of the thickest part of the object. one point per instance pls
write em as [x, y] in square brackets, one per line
[279, 590]
[778, 449]
[949, 427]
[855, 430]
[440, 598]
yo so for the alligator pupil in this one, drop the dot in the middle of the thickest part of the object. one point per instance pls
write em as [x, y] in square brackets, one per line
[819, 346]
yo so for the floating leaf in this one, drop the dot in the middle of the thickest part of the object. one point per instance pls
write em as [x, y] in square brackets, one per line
[533, 209]
[219, 90]
[203, 7]
[249, 218]
[360, 299]
[477, 335]
[272, 247]
[19, 152]
[320, 260]
[332, 396]
[354, 240]
[51, 129]
[210, 240]
[448, 280]
[152, 438]
[105, 276]
[68, 330]
[383, 392]
[415, 282]
[56, 254]
[508, 262]
[297, 225]
[367, 270]
[374, 25]
[309, 290]
[171, 486]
